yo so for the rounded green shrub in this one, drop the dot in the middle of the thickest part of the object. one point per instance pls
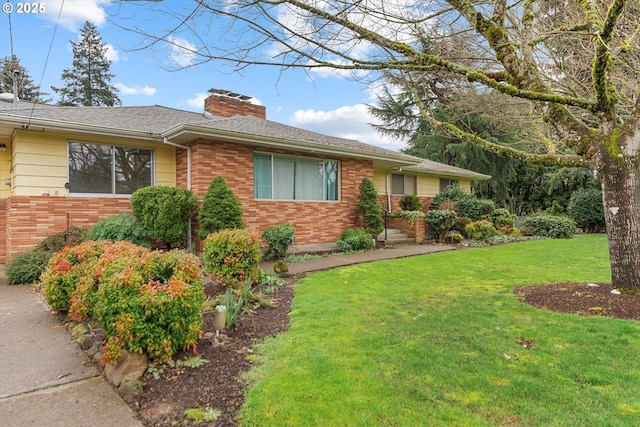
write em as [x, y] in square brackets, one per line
[232, 257]
[278, 237]
[440, 222]
[586, 209]
[480, 230]
[123, 226]
[26, 267]
[354, 240]
[410, 202]
[71, 268]
[165, 212]
[220, 209]
[555, 227]
[501, 217]
[468, 205]
[57, 241]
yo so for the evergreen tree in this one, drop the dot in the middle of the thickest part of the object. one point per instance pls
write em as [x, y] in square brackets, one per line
[27, 90]
[369, 209]
[89, 81]
[220, 209]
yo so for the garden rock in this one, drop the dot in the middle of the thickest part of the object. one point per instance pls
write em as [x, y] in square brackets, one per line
[280, 268]
[130, 368]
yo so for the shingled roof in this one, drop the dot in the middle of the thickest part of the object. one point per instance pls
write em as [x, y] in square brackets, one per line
[155, 123]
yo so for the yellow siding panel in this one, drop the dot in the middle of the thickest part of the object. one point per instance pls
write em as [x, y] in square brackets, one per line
[40, 161]
[379, 181]
[5, 168]
[428, 185]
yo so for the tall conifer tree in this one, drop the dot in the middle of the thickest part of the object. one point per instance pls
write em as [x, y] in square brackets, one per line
[89, 81]
[27, 90]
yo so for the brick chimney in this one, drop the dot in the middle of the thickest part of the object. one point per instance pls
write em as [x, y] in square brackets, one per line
[228, 104]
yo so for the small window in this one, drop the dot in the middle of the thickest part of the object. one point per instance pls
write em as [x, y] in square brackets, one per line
[294, 178]
[403, 184]
[444, 183]
[108, 169]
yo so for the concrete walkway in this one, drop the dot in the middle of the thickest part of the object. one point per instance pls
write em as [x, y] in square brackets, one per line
[46, 380]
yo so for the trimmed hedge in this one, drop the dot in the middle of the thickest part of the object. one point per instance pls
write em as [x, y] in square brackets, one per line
[354, 240]
[555, 227]
[232, 257]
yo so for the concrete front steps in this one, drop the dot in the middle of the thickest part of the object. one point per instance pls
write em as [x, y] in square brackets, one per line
[395, 236]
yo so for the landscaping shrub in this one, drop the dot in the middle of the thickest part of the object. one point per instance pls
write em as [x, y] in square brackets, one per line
[123, 226]
[440, 222]
[410, 202]
[26, 267]
[278, 237]
[369, 209]
[149, 302]
[220, 209]
[586, 209]
[501, 217]
[232, 257]
[556, 227]
[487, 206]
[354, 240]
[480, 230]
[467, 205]
[71, 268]
[165, 212]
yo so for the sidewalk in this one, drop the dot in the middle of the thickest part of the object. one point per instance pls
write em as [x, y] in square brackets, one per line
[333, 261]
[46, 380]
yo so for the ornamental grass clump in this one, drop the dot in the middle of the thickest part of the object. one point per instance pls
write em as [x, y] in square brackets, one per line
[150, 302]
[232, 257]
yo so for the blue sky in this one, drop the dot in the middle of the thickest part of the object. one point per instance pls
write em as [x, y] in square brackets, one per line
[322, 102]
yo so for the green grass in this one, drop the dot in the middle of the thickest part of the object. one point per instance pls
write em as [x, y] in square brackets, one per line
[434, 340]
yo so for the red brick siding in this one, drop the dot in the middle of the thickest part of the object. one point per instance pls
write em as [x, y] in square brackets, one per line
[3, 232]
[229, 107]
[315, 222]
[31, 218]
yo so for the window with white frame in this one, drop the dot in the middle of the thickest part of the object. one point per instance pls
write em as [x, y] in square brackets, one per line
[282, 177]
[403, 184]
[108, 169]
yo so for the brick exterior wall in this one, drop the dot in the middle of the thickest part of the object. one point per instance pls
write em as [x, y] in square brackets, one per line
[29, 219]
[315, 222]
[3, 232]
[229, 107]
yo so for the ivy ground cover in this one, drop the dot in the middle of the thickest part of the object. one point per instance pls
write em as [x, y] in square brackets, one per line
[442, 340]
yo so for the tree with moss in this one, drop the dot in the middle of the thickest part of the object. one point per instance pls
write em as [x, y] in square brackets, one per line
[220, 209]
[368, 209]
[575, 63]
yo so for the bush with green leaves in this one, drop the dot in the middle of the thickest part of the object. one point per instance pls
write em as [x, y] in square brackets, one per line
[220, 209]
[278, 237]
[26, 267]
[354, 240]
[410, 202]
[368, 208]
[165, 212]
[586, 209]
[480, 230]
[440, 222]
[123, 226]
[553, 226]
[232, 257]
[501, 217]
[70, 278]
[467, 205]
[149, 302]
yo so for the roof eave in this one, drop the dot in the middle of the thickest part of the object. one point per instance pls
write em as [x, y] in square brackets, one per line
[184, 133]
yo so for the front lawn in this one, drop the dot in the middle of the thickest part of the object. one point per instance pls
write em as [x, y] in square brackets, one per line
[442, 340]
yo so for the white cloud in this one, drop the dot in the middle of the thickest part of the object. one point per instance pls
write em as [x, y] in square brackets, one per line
[198, 100]
[112, 54]
[75, 12]
[182, 52]
[351, 122]
[135, 89]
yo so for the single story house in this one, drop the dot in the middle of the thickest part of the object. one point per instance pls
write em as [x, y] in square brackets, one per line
[72, 166]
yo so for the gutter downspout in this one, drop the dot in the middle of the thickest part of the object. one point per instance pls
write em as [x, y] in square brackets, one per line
[166, 141]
